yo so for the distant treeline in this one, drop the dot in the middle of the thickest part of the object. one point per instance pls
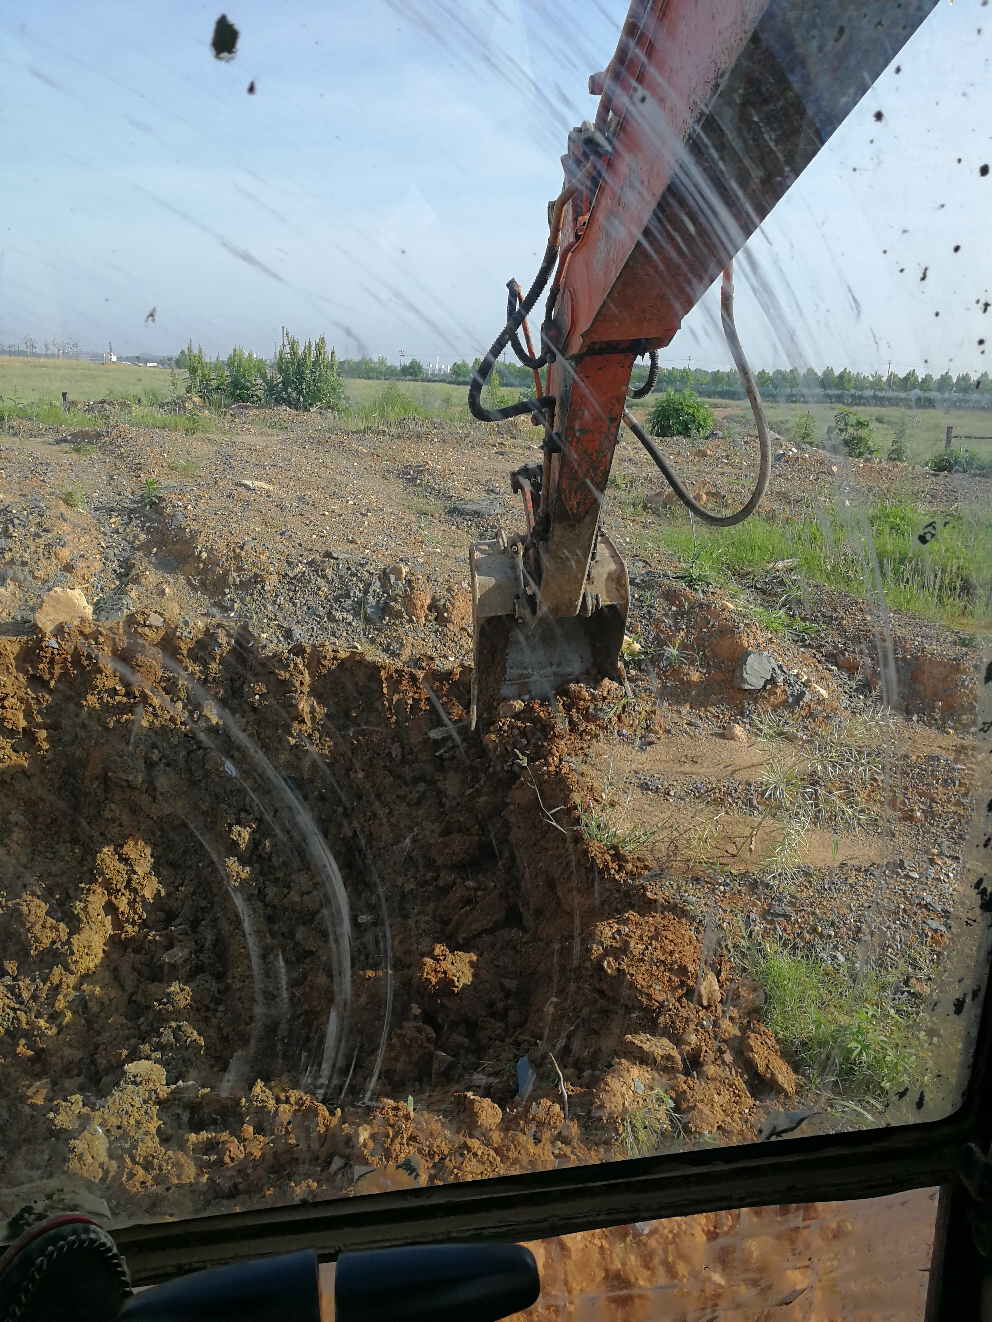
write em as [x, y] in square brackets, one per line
[828, 387]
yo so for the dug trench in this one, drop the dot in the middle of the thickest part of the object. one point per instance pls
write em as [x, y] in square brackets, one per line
[279, 926]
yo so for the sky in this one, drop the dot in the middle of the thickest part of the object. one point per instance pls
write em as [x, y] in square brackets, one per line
[392, 170]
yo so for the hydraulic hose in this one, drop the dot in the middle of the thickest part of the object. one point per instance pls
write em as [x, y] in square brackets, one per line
[652, 380]
[545, 402]
[528, 359]
[764, 442]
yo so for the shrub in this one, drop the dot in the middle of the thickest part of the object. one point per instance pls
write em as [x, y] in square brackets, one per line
[899, 450]
[803, 430]
[956, 461]
[306, 378]
[247, 378]
[856, 434]
[680, 413]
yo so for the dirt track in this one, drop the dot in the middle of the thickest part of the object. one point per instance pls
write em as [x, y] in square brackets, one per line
[278, 926]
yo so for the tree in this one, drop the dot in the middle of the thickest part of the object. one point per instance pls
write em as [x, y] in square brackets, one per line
[910, 381]
[763, 379]
[963, 384]
[944, 383]
[829, 379]
[877, 381]
[413, 370]
[926, 382]
[984, 384]
[845, 379]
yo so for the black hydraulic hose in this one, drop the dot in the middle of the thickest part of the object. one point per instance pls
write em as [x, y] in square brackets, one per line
[524, 357]
[544, 403]
[764, 442]
[652, 380]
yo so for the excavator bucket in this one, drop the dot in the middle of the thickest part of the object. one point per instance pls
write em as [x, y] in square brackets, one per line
[527, 655]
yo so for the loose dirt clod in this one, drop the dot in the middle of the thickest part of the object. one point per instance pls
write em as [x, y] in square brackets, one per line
[63, 606]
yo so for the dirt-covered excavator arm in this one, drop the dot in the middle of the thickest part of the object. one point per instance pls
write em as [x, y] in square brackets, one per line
[708, 113]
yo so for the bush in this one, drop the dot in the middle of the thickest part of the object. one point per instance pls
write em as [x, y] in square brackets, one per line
[956, 461]
[304, 378]
[247, 378]
[680, 413]
[899, 450]
[803, 430]
[856, 434]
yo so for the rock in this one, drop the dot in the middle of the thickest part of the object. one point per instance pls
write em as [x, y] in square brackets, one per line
[397, 571]
[658, 1052]
[660, 501]
[477, 509]
[709, 989]
[547, 1114]
[736, 733]
[509, 708]
[706, 491]
[63, 606]
[480, 1112]
[761, 1052]
[254, 486]
[154, 620]
[756, 670]
[702, 453]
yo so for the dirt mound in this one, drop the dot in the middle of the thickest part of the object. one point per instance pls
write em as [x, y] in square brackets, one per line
[274, 928]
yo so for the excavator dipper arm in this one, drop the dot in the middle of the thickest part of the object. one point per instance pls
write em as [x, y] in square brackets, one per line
[707, 115]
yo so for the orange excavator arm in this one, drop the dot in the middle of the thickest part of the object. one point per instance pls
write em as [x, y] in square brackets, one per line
[707, 115]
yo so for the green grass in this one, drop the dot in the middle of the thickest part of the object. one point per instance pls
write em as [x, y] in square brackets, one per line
[841, 1033]
[923, 429]
[381, 403]
[39, 379]
[949, 578]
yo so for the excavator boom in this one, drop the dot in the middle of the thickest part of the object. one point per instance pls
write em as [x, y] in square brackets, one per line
[707, 115]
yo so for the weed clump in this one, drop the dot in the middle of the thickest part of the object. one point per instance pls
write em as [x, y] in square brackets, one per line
[842, 1031]
[680, 413]
[957, 461]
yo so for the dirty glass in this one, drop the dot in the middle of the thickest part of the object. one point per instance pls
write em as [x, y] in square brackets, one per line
[865, 1259]
[321, 874]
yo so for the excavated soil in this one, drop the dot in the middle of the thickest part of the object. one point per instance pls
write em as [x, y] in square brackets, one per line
[275, 925]
[279, 927]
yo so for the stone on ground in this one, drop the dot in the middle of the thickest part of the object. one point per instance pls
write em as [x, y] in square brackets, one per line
[63, 606]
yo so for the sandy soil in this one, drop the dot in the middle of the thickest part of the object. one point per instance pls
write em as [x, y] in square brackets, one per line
[277, 926]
